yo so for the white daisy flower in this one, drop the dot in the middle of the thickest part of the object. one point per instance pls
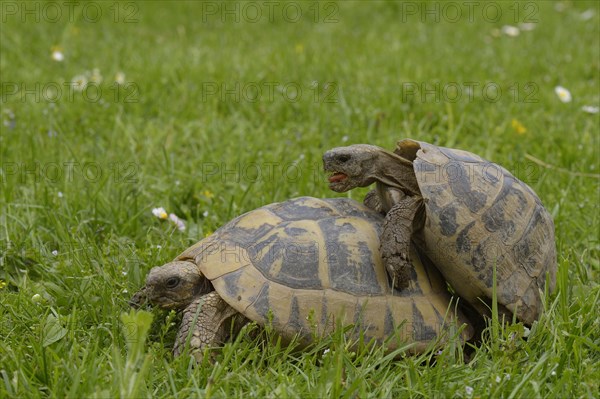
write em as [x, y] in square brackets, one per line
[57, 55]
[527, 26]
[344, 139]
[60, 194]
[36, 298]
[205, 214]
[79, 82]
[120, 78]
[55, 252]
[563, 94]
[178, 222]
[469, 390]
[590, 109]
[160, 213]
[96, 76]
[587, 14]
[510, 30]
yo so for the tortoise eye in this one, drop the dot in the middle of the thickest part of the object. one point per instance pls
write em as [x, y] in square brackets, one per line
[172, 282]
[344, 158]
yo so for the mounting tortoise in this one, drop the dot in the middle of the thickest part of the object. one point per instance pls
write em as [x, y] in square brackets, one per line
[465, 213]
[305, 266]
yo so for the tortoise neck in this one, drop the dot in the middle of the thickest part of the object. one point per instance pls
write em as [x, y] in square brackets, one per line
[391, 170]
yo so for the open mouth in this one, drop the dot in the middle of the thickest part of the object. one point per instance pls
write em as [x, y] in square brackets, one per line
[337, 177]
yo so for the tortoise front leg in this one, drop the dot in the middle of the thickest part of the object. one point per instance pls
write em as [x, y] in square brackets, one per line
[372, 201]
[398, 227]
[205, 324]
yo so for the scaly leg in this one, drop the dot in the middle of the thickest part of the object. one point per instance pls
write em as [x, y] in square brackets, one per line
[205, 324]
[372, 201]
[401, 221]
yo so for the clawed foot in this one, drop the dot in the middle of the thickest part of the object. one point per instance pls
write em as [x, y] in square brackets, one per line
[207, 323]
[398, 267]
[372, 201]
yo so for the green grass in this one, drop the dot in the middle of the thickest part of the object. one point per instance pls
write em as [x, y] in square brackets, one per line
[162, 140]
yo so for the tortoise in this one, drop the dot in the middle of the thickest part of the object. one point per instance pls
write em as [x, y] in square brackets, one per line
[466, 214]
[303, 266]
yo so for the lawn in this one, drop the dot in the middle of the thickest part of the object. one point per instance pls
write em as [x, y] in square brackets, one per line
[212, 109]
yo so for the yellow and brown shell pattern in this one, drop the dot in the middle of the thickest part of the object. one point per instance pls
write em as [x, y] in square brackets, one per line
[479, 216]
[308, 265]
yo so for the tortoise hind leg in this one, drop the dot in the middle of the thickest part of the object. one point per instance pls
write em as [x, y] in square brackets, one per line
[207, 323]
[398, 226]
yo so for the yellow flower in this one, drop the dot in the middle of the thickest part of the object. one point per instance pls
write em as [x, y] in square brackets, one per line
[208, 194]
[518, 127]
[208, 234]
[2, 284]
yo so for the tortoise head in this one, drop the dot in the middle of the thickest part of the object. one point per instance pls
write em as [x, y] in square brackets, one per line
[350, 167]
[172, 286]
[361, 165]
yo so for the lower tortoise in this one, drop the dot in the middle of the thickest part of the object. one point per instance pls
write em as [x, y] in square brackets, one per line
[303, 266]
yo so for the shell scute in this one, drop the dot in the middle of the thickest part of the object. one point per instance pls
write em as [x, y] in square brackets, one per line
[460, 185]
[448, 224]
[460, 155]
[261, 303]
[302, 208]
[463, 240]
[423, 331]
[350, 256]
[290, 258]
[388, 323]
[248, 228]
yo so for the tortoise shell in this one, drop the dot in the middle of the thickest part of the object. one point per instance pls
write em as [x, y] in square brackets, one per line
[478, 215]
[307, 264]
